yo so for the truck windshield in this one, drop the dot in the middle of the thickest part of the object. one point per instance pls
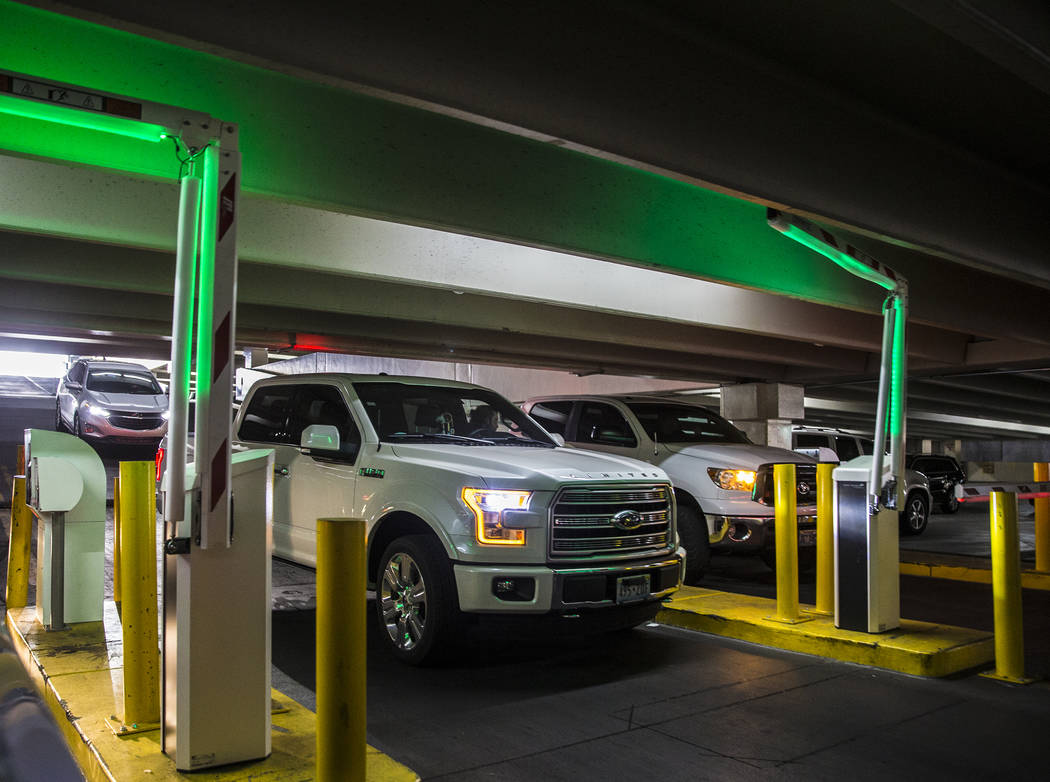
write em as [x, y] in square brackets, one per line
[671, 423]
[442, 414]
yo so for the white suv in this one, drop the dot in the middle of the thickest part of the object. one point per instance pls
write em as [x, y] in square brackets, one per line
[471, 508]
[711, 463]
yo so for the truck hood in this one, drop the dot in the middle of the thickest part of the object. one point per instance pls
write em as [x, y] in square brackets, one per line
[539, 465]
[739, 456]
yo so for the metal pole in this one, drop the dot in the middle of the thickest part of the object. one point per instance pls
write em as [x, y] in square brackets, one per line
[341, 655]
[825, 541]
[138, 616]
[882, 403]
[182, 345]
[58, 572]
[19, 545]
[1041, 472]
[1006, 588]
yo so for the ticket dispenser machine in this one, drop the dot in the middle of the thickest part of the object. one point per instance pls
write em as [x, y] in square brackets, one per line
[216, 664]
[867, 556]
[66, 487]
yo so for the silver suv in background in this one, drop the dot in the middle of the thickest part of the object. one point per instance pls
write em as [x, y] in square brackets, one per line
[847, 445]
[111, 401]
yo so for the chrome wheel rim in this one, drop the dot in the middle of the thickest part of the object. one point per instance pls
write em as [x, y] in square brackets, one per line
[403, 601]
[916, 516]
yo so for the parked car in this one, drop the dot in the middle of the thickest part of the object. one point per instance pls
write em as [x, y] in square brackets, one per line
[111, 401]
[944, 474]
[845, 445]
[473, 511]
[711, 463]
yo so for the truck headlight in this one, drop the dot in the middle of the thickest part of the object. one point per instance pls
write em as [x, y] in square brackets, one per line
[99, 411]
[732, 480]
[488, 506]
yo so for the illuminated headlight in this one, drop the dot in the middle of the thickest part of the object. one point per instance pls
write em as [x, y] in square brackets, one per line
[488, 506]
[99, 411]
[732, 480]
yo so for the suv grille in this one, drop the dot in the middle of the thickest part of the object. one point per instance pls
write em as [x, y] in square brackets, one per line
[582, 520]
[138, 421]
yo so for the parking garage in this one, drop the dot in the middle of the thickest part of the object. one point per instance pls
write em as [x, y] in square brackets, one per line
[391, 223]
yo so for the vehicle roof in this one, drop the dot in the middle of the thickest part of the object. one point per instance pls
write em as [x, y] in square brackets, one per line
[116, 365]
[624, 398]
[355, 378]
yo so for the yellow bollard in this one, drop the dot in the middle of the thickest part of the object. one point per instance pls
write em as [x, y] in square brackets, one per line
[18, 545]
[116, 541]
[785, 522]
[341, 656]
[1006, 589]
[825, 542]
[138, 617]
[1041, 472]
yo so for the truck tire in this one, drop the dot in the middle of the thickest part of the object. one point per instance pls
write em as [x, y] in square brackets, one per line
[692, 531]
[416, 600]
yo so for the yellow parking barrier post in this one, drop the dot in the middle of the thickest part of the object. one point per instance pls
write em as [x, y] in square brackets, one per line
[116, 541]
[138, 616]
[1006, 589]
[785, 522]
[341, 672]
[18, 546]
[825, 542]
[1041, 472]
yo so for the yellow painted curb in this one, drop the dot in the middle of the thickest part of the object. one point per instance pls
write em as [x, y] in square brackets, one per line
[917, 648]
[1030, 579]
[78, 673]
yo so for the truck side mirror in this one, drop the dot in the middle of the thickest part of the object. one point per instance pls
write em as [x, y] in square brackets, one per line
[558, 439]
[320, 437]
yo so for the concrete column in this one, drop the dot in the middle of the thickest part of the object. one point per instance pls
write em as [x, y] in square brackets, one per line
[255, 357]
[764, 411]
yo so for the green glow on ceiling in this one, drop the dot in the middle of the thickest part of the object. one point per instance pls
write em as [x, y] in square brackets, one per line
[81, 118]
[847, 262]
[322, 146]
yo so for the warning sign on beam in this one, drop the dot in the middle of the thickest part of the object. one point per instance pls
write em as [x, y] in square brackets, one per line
[982, 492]
[53, 93]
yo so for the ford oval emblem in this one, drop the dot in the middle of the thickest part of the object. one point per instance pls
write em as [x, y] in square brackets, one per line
[627, 520]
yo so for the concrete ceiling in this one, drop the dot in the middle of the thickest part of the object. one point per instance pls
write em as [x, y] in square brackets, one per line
[913, 128]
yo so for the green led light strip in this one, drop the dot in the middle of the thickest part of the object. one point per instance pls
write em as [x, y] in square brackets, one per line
[896, 371]
[81, 118]
[848, 263]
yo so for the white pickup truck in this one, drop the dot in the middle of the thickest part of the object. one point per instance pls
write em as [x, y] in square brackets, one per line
[471, 508]
[712, 464]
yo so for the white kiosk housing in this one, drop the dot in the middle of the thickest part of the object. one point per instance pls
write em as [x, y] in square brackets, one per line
[66, 487]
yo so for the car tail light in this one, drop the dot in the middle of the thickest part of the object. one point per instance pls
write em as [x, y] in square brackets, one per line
[159, 459]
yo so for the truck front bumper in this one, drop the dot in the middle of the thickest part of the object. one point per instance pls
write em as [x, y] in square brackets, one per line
[539, 589]
[754, 533]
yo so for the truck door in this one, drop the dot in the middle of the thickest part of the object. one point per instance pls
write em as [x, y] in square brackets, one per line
[306, 487]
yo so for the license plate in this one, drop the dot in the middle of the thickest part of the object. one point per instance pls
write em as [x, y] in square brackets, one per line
[630, 589]
[807, 537]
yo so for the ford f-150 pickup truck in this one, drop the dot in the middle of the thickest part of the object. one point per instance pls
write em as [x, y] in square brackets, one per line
[471, 508]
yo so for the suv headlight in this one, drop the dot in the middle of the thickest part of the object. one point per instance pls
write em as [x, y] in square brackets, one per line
[488, 506]
[99, 411]
[732, 480]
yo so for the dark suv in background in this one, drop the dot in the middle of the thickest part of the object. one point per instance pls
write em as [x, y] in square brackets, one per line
[944, 474]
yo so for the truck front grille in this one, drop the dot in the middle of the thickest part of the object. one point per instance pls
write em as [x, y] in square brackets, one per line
[627, 520]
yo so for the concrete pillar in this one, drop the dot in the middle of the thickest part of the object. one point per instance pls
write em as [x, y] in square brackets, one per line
[255, 357]
[764, 411]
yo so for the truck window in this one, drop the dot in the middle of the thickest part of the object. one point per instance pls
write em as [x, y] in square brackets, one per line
[267, 418]
[605, 425]
[671, 423]
[804, 440]
[846, 448]
[553, 416]
[322, 404]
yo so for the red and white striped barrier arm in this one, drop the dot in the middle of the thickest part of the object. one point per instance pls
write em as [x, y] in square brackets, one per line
[982, 492]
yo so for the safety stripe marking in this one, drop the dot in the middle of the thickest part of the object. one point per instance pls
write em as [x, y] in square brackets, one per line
[218, 474]
[221, 351]
[227, 206]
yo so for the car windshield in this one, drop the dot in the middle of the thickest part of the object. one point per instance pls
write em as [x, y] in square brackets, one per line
[122, 381]
[402, 412]
[671, 423]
